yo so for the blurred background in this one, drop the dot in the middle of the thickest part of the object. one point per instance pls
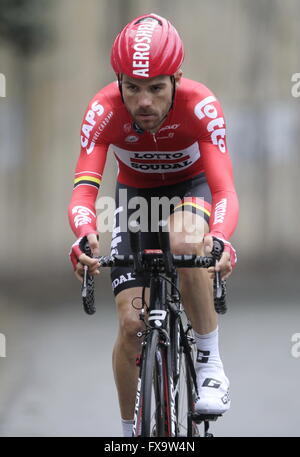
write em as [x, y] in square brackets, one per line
[55, 378]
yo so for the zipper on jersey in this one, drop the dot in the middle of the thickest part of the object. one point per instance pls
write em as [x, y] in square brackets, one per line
[155, 142]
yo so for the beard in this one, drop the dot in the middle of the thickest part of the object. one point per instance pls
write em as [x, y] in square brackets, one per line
[149, 120]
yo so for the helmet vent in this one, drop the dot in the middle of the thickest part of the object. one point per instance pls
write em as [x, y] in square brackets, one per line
[146, 19]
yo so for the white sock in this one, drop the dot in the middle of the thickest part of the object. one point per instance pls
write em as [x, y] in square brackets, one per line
[208, 350]
[127, 426]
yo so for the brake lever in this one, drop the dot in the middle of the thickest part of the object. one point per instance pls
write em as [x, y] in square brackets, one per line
[87, 286]
[84, 283]
[219, 290]
[217, 251]
[85, 248]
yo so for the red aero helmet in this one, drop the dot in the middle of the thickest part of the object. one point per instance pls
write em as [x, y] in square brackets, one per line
[148, 46]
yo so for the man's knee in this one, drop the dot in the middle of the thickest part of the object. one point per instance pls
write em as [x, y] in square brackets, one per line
[129, 320]
[129, 326]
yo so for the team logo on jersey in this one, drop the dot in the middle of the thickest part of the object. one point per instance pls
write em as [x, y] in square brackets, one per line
[82, 215]
[220, 212]
[166, 137]
[158, 161]
[131, 139]
[166, 133]
[169, 127]
[91, 119]
[216, 127]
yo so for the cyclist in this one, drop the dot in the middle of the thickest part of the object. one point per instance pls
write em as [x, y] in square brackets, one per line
[168, 136]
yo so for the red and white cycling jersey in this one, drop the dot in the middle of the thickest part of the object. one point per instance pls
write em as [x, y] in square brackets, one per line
[191, 140]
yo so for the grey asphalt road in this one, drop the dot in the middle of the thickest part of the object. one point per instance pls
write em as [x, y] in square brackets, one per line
[56, 379]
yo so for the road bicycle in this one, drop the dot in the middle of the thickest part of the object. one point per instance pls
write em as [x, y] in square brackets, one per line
[167, 386]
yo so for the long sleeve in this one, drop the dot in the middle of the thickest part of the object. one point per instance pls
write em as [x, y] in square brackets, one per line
[225, 205]
[87, 180]
[218, 168]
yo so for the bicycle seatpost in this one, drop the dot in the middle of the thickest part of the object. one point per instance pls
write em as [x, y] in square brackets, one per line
[164, 241]
[136, 245]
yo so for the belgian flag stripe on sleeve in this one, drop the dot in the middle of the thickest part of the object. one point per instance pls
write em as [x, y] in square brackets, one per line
[89, 180]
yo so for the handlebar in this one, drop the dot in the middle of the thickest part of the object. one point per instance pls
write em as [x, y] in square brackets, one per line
[160, 260]
[150, 259]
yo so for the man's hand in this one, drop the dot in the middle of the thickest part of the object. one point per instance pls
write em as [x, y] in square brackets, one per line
[227, 261]
[83, 259]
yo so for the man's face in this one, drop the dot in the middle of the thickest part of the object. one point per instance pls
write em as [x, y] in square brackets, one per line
[148, 100]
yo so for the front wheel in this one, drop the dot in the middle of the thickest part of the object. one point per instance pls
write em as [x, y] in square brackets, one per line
[183, 350]
[155, 399]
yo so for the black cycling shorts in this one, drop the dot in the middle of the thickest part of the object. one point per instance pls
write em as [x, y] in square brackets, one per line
[148, 206]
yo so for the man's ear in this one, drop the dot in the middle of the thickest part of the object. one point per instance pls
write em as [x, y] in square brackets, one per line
[178, 76]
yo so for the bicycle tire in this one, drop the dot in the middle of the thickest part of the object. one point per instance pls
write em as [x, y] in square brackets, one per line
[183, 384]
[187, 394]
[156, 403]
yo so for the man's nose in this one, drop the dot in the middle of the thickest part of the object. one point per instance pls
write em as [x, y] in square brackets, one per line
[145, 100]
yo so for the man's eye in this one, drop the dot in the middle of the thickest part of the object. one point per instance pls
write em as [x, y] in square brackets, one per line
[132, 88]
[156, 88]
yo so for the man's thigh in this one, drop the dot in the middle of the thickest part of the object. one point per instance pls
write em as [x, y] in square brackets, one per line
[187, 230]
